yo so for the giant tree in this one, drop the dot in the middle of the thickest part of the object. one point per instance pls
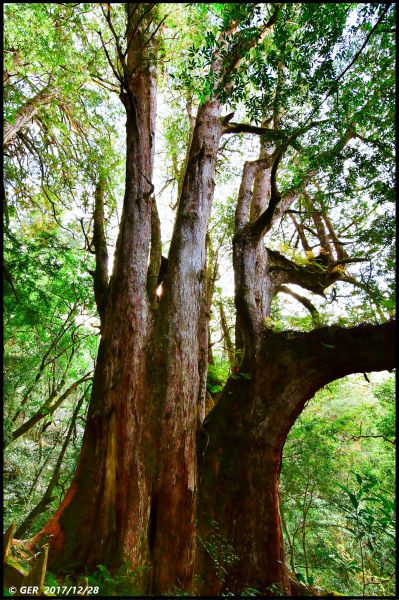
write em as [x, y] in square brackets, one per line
[154, 479]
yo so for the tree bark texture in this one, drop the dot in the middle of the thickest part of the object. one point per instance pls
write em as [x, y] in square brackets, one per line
[243, 438]
[176, 356]
[142, 420]
[104, 516]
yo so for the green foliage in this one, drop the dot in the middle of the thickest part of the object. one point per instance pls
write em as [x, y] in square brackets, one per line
[337, 489]
[125, 581]
[216, 378]
[251, 592]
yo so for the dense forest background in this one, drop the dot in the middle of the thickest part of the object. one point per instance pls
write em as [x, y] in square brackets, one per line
[316, 93]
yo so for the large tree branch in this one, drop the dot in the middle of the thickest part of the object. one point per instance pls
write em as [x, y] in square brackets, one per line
[339, 249]
[245, 192]
[269, 135]
[278, 203]
[334, 352]
[310, 360]
[325, 247]
[301, 233]
[229, 346]
[313, 277]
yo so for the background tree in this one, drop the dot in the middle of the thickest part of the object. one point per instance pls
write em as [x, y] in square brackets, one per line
[330, 471]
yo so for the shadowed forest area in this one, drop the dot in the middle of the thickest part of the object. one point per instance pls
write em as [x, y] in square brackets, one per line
[199, 299]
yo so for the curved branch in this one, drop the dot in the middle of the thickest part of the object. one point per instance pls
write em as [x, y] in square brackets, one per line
[338, 351]
[313, 277]
[332, 352]
[303, 300]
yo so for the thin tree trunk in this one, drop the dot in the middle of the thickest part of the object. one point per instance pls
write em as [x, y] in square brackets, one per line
[46, 410]
[290, 541]
[228, 342]
[48, 494]
[46, 360]
[25, 114]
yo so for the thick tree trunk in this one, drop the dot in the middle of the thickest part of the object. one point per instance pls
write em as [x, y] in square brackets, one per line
[243, 437]
[240, 496]
[179, 329]
[139, 502]
[242, 442]
[105, 514]
[142, 421]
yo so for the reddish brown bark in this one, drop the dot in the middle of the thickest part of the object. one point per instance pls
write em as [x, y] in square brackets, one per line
[179, 331]
[243, 438]
[104, 517]
[142, 420]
